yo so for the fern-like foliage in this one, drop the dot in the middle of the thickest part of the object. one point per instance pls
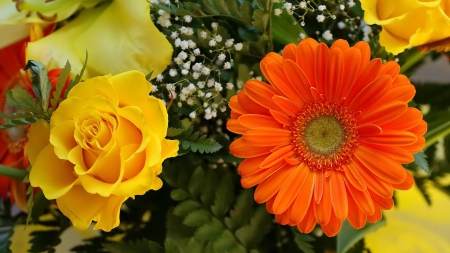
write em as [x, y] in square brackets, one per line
[196, 142]
[207, 203]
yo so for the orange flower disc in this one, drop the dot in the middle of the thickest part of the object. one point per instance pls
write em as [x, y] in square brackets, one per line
[325, 141]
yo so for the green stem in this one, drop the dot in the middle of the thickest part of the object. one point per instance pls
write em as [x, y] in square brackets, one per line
[412, 59]
[13, 172]
[270, 27]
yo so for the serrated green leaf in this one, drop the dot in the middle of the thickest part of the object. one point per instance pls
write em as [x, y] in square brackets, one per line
[193, 246]
[210, 230]
[22, 100]
[260, 19]
[221, 6]
[242, 211]
[253, 233]
[419, 159]
[197, 218]
[170, 246]
[179, 195]
[40, 82]
[210, 184]
[233, 6]
[303, 241]
[185, 207]
[195, 142]
[196, 182]
[60, 85]
[224, 196]
[349, 235]
[171, 131]
[40, 205]
[155, 247]
[208, 7]
[225, 243]
[247, 12]
[77, 77]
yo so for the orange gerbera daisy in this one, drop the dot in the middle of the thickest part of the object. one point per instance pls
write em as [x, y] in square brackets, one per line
[325, 141]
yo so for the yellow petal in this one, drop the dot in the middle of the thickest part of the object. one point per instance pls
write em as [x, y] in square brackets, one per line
[118, 36]
[81, 208]
[133, 127]
[53, 11]
[38, 139]
[62, 138]
[132, 87]
[97, 86]
[156, 113]
[412, 215]
[54, 176]
[15, 33]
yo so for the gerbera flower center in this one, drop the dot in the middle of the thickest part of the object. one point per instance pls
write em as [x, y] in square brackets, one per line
[324, 135]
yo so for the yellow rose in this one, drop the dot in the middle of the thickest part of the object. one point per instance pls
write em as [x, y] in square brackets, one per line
[105, 143]
[408, 23]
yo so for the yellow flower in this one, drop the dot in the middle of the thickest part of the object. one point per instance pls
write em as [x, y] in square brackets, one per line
[408, 23]
[118, 36]
[105, 143]
[41, 11]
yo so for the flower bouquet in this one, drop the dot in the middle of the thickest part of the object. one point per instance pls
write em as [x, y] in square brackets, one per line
[222, 125]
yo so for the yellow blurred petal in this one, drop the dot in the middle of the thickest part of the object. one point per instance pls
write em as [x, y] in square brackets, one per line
[119, 36]
[413, 226]
[15, 33]
[156, 113]
[81, 208]
[54, 176]
[38, 139]
[132, 87]
[52, 11]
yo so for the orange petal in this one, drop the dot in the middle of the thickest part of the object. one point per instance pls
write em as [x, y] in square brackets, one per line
[234, 126]
[420, 129]
[259, 176]
[281, 117]
[290, 52]
[361, 198]
[309, 222]
[369, 74]
[365, 54]
[376, 216]
[341, 44]
[390, 68]
[356, 217]
[318, 185]
[352, 175]
[280, 80]
[352, 61]
[404, 93]
[338, 195]
[384, 203]
[251, 165]
[391, 138]
[333, 227]
[257, 121]
[282, 218]
[334, 77]
[411, 118]
[261, 93]
[270, 57]
[287, 106]
[267, 137]
[399, 154]
[277, 156]
[322, 210]
[272, 184]
[269, 204]
[305, 58]
[371, 93]
[250, 105]
[320, 67]
[373, 182]
[384, 113]
[368, 129]
[301, 202]
[407, 184]
[381, 165]
[242, 149]
[298, 80]
[290, 189]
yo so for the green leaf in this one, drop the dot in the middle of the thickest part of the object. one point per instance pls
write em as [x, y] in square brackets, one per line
[438, 126]
[170, 247]
[179, 195]
[40, 206]
[197, 218]
[22, 100]
[260, 19]
[210, 230]
[210, 183]
[242, 211]
[303, 241]
[224, 196]
[208, 7]
[419, 159]
[196, 183]
[247, 12]
[193, 246]
[171, 131]
[260, 224]
[221, 6]
[40, 82]
[285, 28]
[60, 85]
[17, 122]
[197, 142]
[186, 207]
[233, 6]
[226, 242]
[77, 77]
[349, 235]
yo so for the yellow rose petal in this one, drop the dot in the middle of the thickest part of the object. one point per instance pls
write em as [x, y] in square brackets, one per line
[38, 139]
[54, 176]
[132, 87]
[137, 129]
[62, 138]
[81, 208]
[157, 112]
[97, 86]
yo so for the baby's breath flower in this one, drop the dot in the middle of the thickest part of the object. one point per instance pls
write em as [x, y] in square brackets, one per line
[184, 72]
[238, 46]
[174, 35]
[277, 12]
[201, 85]
[192, 115]
[190, 101]
[327, 35]
[197, 51]
[183, 55]
[218, 38]
[350, 3]
[321, 7]
[173, 72]
[227, 65]
[203, 34]
[205, 71]
[191, 44]
[177, 42]
[159, 78]
[187, 18]
[287, 6]
[229, 42]
[154, 88]
[320, 18]
[302, 4]
[341, 25]
[218, 87]
[212, 43]
[221, 56]
[342, 7]
[214, 25]
[184, 45]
